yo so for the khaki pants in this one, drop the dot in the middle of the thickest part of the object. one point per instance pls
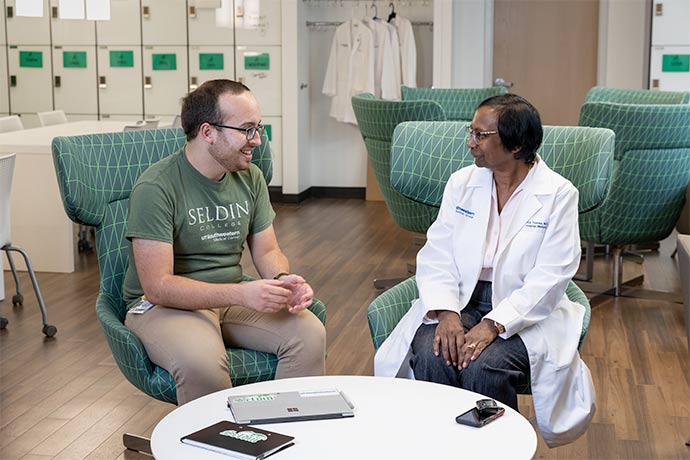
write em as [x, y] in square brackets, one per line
[191, 345]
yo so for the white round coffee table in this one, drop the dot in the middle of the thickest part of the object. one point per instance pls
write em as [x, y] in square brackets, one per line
[394, 419]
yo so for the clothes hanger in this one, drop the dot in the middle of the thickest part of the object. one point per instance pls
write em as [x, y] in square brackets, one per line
[392, 14]
[376, 12]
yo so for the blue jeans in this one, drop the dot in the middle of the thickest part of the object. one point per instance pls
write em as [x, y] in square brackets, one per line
[498, 372]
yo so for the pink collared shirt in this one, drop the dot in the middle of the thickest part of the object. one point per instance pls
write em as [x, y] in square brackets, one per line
[498, 225]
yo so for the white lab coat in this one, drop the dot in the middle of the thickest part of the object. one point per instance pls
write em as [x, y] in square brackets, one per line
[533, 265]
[384, 75]
[350, 68]
[397, 70]
[408, 50]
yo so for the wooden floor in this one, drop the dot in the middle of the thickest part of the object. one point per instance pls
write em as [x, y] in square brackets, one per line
[64, 398]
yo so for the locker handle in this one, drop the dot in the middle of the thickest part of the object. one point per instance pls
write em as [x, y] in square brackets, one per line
[57, 81]
[193, 84]
[10, 12]
[659, 9]
[192, 11]
[13, 80]
[655, 83]
[101, 82]
[54, 12]
[146, 12]
[147, 83]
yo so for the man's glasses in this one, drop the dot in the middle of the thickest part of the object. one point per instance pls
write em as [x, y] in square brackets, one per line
[249, 132]
[478, 136]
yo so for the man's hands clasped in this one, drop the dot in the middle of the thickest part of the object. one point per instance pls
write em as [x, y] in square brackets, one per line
[457, 347]
[290, 292]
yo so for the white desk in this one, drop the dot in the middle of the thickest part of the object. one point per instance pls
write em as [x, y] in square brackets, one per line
[394, 419]
[39, 222]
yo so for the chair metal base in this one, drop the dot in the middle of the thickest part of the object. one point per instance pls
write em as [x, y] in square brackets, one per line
[137, 443]
[18, 299]
[629, 289]
[592, 250]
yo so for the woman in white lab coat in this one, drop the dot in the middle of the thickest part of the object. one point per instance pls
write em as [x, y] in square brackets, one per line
[492, 313]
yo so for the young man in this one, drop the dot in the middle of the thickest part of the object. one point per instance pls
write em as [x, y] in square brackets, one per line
[189, 217]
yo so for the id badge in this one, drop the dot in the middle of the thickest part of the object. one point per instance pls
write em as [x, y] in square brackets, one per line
[141, 307]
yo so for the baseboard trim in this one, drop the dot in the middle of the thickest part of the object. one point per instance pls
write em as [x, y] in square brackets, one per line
[277, 195]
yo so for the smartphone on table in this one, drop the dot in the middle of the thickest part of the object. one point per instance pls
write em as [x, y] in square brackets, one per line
[486, 411]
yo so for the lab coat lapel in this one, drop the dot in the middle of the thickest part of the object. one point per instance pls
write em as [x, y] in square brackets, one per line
[529, 206]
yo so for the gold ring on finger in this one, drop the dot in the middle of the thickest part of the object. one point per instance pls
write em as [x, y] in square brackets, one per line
[472, 346]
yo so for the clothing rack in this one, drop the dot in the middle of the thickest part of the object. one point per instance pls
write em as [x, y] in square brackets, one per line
[326, 24]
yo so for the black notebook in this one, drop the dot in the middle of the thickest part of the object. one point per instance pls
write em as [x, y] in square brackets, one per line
[241, 441]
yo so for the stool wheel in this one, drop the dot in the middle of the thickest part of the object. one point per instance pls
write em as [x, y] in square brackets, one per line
[3, 323]
[17, 300]
[49, 330]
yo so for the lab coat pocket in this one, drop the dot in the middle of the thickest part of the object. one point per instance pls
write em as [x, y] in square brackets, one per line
[561, 334]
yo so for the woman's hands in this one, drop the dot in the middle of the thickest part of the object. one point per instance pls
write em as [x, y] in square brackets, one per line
[456, 347]
[449, 339]
[476, 340]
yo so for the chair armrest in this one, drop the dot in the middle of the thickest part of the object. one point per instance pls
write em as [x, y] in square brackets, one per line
[387, 310]
[575, 294]
[130, 355]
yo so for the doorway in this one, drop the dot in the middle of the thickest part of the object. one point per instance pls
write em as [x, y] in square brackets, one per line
[548, 50]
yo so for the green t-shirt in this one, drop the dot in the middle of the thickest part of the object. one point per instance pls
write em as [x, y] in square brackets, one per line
[206, 221]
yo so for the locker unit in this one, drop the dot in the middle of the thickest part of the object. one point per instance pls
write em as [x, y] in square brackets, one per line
[30, 79]
[210, 62]
[70, 31]
[27, 31]
[74, 79]
[165, 79]
[259, 67]
[669, 63]
[203, 28]
[274, 130]
[257, 22]
[4, 89]
[124, 27]
[120, 83]
[670, 68]
[164, 22]
[670, 23]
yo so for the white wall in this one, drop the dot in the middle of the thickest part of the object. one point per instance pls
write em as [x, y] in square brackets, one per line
[463, 38]
[336, 150]
[624, 44]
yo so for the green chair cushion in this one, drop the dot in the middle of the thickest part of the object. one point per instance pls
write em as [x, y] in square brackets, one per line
[377, 119]
[459, 104]
[636, 96]
[425, 154]
[650, 174]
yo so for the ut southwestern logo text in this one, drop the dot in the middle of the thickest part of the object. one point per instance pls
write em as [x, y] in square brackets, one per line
[464, 212]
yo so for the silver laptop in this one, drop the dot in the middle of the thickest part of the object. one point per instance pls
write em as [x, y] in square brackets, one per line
[290, 406]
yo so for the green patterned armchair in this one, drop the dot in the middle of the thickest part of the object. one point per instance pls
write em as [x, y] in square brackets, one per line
[459, 104]
[377, 118]
[650, 175]
[95, 174]
[424, 155]
[636, 96]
